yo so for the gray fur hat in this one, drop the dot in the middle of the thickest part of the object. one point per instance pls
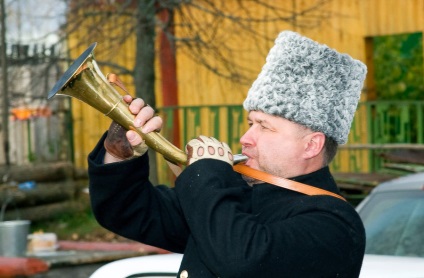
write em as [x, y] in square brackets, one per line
[310, 84]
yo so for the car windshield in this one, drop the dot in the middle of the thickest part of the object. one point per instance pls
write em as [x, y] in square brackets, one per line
[394, 223]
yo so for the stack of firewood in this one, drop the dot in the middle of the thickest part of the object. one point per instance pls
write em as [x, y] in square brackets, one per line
[397, 162]
[404, 160]
[39, 192]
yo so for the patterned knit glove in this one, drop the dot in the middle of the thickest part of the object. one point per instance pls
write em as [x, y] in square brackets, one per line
[208, 147]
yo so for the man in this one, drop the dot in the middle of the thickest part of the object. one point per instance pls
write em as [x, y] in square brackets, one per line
[300, 108]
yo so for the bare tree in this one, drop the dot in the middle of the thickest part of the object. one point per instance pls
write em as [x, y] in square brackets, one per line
[205, 32]
[199, 33]
[5, 89]
[202, 39]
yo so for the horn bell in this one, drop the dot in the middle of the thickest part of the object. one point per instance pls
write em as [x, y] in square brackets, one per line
[84, 81]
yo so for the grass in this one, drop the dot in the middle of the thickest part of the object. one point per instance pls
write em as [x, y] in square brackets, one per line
[81, 226]
[68, 225]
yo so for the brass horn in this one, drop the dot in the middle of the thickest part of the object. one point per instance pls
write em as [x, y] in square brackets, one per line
[84, 81]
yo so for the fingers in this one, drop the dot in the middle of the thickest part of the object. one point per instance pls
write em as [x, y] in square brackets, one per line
[154, 124]
[127, 98]
[134, 138]
[144, 118]
[137, 105]
[143, 115]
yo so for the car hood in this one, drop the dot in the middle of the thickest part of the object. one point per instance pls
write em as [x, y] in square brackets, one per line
[374, 266]
[379, 266]
[152, 264]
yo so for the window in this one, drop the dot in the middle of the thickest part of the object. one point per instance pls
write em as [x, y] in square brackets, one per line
[394, 224]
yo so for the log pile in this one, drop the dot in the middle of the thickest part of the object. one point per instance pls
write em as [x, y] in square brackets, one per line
[398, 162]
[58, 186]
[405, 161]
[40, 192]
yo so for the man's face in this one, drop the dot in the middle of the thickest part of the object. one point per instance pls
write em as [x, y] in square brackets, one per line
[275, 145]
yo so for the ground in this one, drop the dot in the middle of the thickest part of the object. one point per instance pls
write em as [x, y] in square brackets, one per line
[80, 226]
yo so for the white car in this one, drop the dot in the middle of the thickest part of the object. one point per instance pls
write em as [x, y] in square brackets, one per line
[393, 215]
[381, 266]
[158, 266]
[165, 266]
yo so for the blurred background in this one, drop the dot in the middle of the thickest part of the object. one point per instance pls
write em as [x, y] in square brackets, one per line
[193, 61]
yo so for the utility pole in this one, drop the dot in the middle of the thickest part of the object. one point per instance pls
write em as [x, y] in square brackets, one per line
[5, 108]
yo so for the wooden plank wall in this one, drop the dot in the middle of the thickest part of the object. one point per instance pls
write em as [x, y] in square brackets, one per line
[387, 17]
[89, 124]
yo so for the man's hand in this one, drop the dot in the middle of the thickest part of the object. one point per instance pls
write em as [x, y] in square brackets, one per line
[117, 144]
[208, 147]
[121, 144]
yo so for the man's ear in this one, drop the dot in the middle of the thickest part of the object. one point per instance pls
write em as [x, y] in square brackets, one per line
[314, 144]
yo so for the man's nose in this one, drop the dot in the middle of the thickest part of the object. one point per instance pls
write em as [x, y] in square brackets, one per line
[246, 139]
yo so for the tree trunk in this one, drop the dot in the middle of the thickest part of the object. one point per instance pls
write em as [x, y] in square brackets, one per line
[45, 172]
[42, 193]
[405, 156]
[144, 71]
[49, 211]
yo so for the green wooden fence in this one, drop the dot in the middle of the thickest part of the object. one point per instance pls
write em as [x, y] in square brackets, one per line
[379, 127]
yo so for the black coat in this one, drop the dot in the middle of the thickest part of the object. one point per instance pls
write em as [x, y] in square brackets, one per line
[226, 228]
